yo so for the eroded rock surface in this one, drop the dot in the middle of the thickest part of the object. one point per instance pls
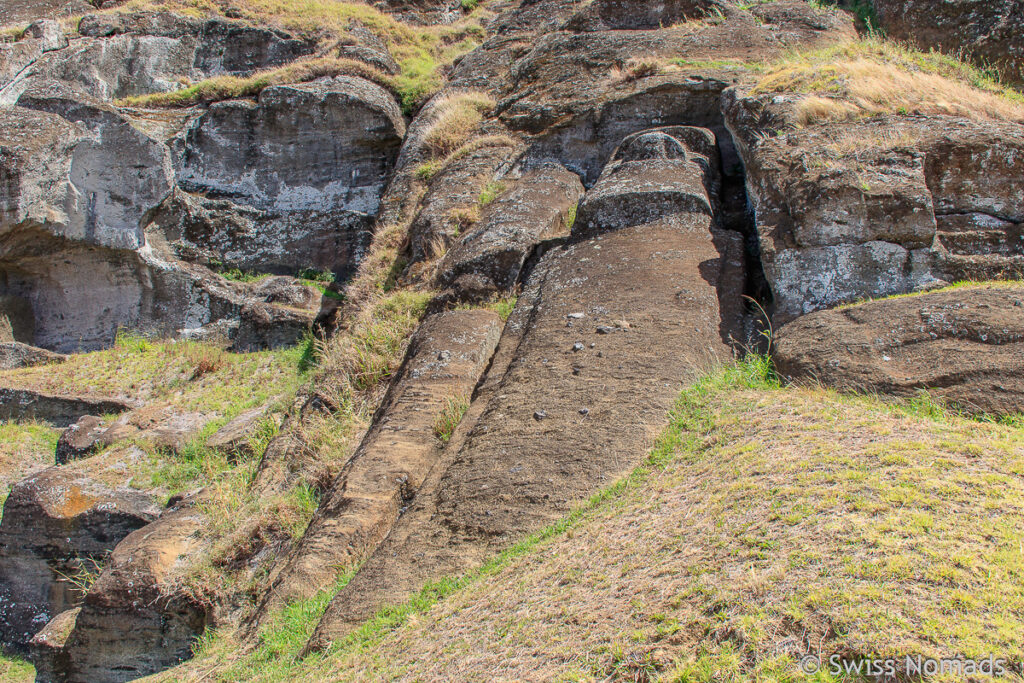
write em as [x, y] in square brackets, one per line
[913, 203]
[605, 332]
[56, 524]
[133, 622]
[445, 360]
[60, 411]
[326, 145]
[964, 346]
[17, 355]
[489, 258]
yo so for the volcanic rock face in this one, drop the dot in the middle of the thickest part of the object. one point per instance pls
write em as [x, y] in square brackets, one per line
[991, 31]
[965, 346]
[612, 155]
[327, 145]
[921, 202]
[85, 181]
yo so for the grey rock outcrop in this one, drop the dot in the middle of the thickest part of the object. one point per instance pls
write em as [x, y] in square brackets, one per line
[125, 54]
[327, 145]
[939, 204]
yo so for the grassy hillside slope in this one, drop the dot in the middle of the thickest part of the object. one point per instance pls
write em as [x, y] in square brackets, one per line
[768, 523]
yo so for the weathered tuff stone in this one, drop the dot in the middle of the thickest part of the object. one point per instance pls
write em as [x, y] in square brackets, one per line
[990, 31]
[20, 11]
[326, 145]
[610, 15]
[93, 180]
[489, 258]
[126, 54]
[74, 249]
[222, 233]
[235, 438]
[655, 173]
[80, 439]
[919, 202]
[446, 358]
[17, 355]
[965, 346]
[52, 521]
[457, 187]
[46, 649]
[134, 621]
[667, 293]
[60, 411]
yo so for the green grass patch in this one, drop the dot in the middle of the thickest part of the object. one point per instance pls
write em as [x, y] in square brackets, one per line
[14, 670]
[450, 416]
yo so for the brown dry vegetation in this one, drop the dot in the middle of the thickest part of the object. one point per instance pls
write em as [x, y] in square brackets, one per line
[768, 523]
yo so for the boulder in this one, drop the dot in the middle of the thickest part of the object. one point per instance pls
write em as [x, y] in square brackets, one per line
[75, 257]
[80, 439]
[489, 258]
[135, 620]
[17, 355]
[325, 145]
[49, 34]
[55, 524]
[964, 346]
[46, 649]
[235, 439]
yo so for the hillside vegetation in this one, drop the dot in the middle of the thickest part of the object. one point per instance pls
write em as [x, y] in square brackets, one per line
[768, 523]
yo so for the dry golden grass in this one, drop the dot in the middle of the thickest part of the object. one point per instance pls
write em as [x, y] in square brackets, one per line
[455, 119]
[638, 68]
[229, 87]
[873, 76]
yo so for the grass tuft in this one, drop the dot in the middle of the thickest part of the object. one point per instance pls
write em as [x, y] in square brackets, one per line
[450, 416]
